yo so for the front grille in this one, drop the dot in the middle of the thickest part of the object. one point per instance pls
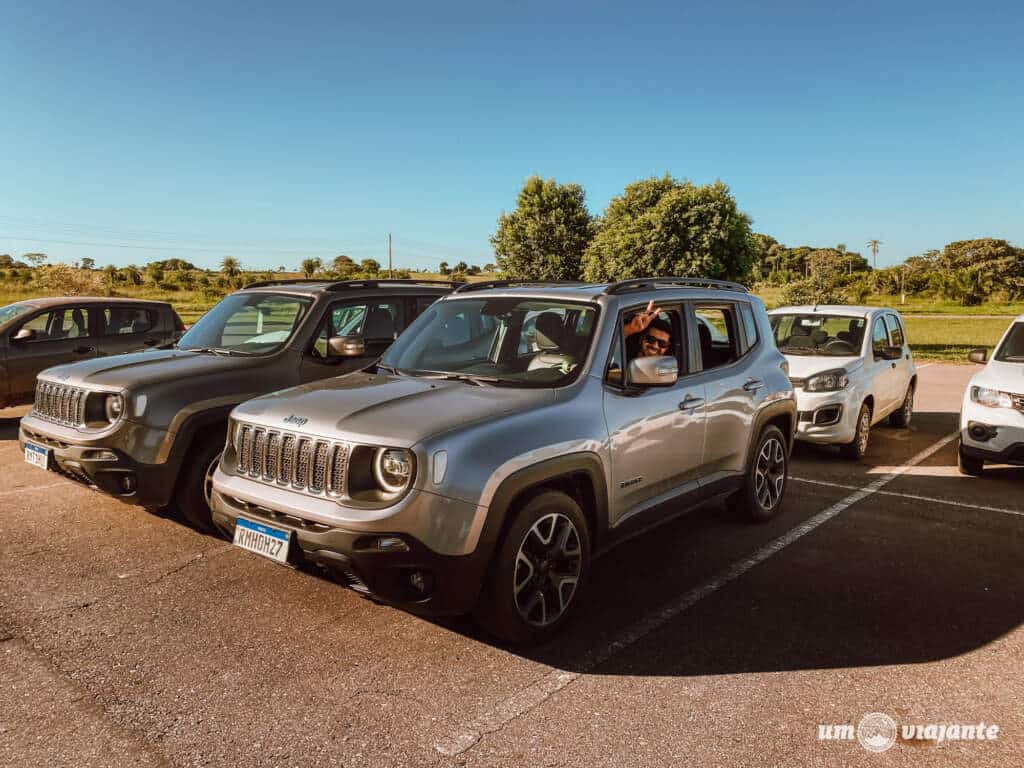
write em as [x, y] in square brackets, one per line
[60, 403]
[307, 464]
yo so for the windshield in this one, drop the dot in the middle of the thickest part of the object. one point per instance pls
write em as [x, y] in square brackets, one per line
[1012, 348]
[247, 323]
[11, 311]
[503, 341]
[829, 335]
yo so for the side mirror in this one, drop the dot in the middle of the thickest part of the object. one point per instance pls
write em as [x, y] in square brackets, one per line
[979, 355]
[653, 371]
[346, 346]
[24, 334]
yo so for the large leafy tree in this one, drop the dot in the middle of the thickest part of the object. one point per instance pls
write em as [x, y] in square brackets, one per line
[230, 267]
[546, 235]
[343, 266]
[310, 266]
[670, 227]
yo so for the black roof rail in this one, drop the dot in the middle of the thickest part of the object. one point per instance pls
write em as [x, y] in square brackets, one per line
[343, 285]
[340, 285]
[641, 283]
[485, 285]
[283, 281]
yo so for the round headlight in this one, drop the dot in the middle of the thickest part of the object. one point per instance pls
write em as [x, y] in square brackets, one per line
[114, 407]
[392, 469]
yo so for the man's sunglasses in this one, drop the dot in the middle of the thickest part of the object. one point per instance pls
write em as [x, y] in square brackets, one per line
[660, 343]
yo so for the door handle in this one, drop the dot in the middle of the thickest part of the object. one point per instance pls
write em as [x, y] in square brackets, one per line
[84, 350]
[753, 385]
[691, 403]
[894, 365]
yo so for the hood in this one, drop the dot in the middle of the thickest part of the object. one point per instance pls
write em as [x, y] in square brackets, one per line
[1008, 377]
[390, 410]
[804, 366]
[136, 370]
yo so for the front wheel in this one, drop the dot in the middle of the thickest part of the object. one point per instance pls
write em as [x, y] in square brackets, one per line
[538, 571]
[968, 465]
[856, 448]
[761, 495]
[194, 493]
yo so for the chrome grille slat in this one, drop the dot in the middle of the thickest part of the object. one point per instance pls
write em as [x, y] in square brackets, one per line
[308, 464]
[60, 403]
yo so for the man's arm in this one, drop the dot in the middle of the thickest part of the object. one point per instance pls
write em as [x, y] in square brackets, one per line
[641, 320]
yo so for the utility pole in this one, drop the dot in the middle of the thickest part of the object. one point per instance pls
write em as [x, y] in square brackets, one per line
[390, 272]
[873, 245]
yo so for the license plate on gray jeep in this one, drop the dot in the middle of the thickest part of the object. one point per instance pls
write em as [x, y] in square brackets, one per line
[37, 455]
[262, 539]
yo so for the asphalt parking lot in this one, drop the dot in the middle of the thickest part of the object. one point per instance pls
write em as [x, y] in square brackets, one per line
[893, 585]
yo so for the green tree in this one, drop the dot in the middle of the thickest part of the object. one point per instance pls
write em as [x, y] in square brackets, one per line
[309, 267]
[6, 261]
[154, 272]
[444, 269]
[230, 267]
[132, 275]
[546, 235]
[343, 266]
[35, 259]
[370, 267]
[461, 267]
[88, 263]
[670, 227]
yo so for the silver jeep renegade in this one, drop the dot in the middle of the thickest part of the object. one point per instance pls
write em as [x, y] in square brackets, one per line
[512, 433]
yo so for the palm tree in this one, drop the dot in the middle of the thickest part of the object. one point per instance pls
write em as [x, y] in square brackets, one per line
[873, 245]
[310, 266]
[230, 267]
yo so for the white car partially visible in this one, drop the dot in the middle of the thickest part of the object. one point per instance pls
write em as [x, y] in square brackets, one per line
[850, 367]
[992, 415]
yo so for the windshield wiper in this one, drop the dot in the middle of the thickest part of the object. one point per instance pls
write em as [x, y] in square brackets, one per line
[210, 350]
[469, 378]
[799, 350]
[388, 369]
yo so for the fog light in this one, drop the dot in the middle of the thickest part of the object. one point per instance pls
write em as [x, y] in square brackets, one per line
[980, 432]
[391, 544]
[128, 484]
[421, 583]
[99, 455]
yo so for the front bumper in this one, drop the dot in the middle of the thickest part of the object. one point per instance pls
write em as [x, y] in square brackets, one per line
[340, 540]
[826, 418]
[99, 461]
[992, 434]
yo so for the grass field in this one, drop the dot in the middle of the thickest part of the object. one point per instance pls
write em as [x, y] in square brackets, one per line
[938, 338]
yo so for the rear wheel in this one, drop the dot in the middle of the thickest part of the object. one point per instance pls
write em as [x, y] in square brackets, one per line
[969, 465]
[761, 495]
[902, 417]
[538, 570]
[856, 448]
[193, 496]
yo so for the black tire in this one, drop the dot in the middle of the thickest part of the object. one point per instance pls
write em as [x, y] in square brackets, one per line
[519, 617]
[902, 417]
[190, 496]
[969, 465]
[765, 484]
[856, 448]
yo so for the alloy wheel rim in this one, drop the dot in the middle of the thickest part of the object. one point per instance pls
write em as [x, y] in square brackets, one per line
[865, 431]
[208, 481]
[770, 473]
[547, 570]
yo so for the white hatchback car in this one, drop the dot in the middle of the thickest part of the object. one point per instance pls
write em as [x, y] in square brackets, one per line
[850, 367]
[991, 418]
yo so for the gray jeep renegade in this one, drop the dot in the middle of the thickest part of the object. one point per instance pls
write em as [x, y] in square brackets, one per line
[513, 432]
[149, 427]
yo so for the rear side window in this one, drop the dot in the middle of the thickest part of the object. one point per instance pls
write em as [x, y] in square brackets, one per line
[895, 330]
[718, 334]
[58, 324]
[749, 324]
[118, 321]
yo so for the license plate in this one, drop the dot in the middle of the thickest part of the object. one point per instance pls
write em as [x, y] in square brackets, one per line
[37, 455]
[262, 539]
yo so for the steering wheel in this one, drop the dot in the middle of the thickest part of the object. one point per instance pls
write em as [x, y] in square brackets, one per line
[840, 347]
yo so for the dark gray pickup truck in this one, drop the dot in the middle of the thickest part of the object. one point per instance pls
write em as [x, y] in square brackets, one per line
[150, 426]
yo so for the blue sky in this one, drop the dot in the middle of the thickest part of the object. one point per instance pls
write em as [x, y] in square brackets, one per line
[135, 131]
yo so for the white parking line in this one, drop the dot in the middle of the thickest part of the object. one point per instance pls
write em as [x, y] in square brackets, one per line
[923, 365]
[468, 734]
[912, 496]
